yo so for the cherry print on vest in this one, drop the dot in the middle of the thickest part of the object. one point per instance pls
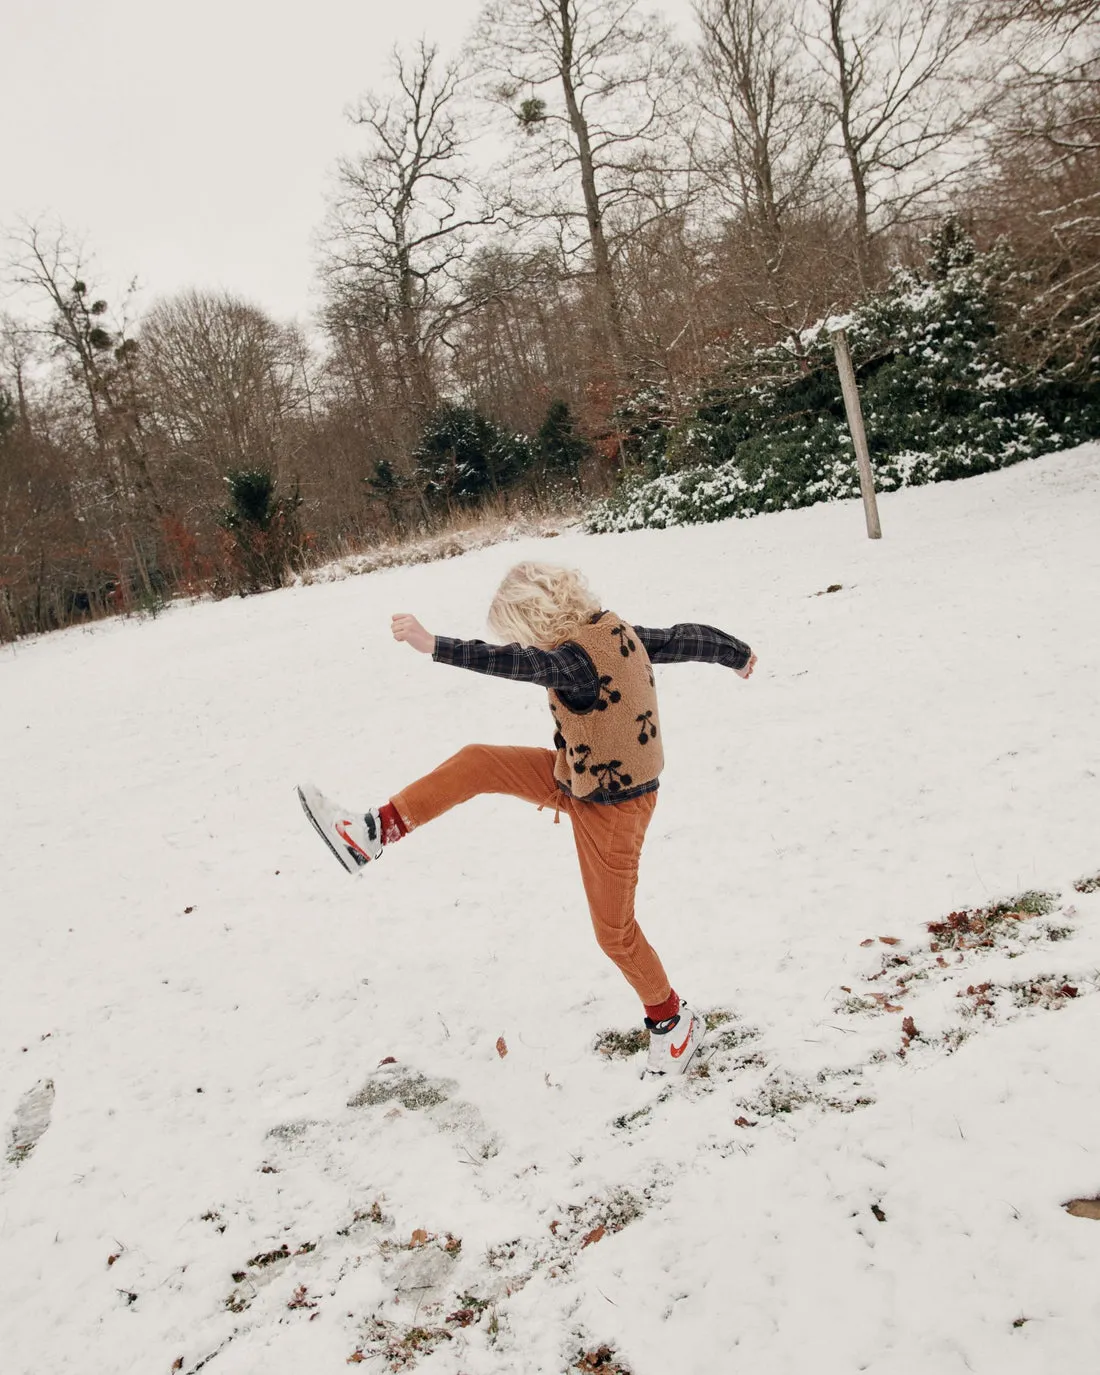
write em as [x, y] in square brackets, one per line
[610, 776]
[608, 694]
[612, 748]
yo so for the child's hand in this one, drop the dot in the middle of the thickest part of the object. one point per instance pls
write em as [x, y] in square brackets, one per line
[409, 629]
[746, 672]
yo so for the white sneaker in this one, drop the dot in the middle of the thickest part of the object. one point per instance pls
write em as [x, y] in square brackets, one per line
[673, 1043]
[354, 837]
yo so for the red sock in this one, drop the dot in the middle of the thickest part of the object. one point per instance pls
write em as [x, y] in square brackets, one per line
[393, 827]
[661, 1012]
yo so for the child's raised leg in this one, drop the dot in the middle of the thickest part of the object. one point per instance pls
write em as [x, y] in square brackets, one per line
[356, 837]
[515, 770]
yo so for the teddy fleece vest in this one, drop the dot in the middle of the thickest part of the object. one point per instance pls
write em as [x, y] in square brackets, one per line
[615, 746]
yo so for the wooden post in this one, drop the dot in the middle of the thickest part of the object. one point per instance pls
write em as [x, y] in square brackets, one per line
[859, 438]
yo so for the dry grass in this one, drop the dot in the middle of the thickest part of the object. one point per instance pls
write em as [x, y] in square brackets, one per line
[462, 534]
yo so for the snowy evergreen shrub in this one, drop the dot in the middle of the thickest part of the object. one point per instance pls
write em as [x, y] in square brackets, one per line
[941, 395]
[559, 449]
[463, 456]
[264, 543]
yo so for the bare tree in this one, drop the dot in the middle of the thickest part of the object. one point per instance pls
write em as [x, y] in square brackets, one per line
[1044, 195]
[762, 150]
[402, 222]
[222, 381]
[903, 92]
[99, 359]
[17, 352]
[594, 86]
[767, 131]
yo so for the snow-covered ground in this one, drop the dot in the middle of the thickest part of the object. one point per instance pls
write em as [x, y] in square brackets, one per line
[195, 999]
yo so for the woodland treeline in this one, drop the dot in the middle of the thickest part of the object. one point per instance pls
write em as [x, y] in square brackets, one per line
[580, 209]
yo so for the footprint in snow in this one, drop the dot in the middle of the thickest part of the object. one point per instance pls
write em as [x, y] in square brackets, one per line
[32, 1117]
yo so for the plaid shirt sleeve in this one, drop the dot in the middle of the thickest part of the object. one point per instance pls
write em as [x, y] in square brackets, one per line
[567, 669]
[701, 643]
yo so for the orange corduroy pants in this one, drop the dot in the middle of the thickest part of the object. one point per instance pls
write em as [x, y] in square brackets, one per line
[608, 838]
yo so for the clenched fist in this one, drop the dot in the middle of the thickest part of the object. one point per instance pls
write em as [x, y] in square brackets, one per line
[409, 629]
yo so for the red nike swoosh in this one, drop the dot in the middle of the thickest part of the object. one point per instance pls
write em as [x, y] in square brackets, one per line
[341, 831]
[677, 1051]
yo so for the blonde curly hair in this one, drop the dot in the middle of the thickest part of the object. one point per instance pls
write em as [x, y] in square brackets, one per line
[541, 605]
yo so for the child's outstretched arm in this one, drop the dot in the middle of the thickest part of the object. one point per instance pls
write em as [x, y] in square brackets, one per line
[567, 669]
[697, 643]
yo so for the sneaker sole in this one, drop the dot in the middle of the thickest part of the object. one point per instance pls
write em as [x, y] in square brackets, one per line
[316, 826]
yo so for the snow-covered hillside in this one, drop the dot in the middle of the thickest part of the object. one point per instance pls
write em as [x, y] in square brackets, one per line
[204, 1167]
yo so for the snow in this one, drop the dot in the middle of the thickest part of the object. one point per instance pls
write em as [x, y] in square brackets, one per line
[193, 994]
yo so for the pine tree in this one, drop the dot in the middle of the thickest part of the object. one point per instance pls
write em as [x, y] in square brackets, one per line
[559, 448]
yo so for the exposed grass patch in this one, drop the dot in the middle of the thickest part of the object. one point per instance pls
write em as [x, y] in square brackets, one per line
[1088, 885]
[621, 1045]
[780, 1094]
[470, 1310]
[408, 1087]
[628, 1119]
[292, 1131]
[361, 1217]
[400, 1345]
[984, 927]
[1048, 993]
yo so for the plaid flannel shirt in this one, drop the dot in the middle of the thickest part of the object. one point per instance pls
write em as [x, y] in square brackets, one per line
[571, 673]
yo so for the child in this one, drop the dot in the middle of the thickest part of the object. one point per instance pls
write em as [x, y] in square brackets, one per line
[602, 771]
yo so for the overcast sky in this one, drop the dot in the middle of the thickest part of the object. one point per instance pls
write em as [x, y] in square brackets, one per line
[190, 144]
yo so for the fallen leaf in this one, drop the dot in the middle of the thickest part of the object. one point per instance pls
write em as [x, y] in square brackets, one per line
[502, 1047]
[177, 1364]
[355, 1358]
[389, 1060]
[845, 989]
[941, 961]
[743, 1122]
[596, 1234]
[892, 1007]
[111, 1259]
[554, 1226]
[889, 940]
[419, 1238]
[1068, 991]
[909, 1027]
[1084, 1207]
[869, 941]
[878, 1212]
[187, 911]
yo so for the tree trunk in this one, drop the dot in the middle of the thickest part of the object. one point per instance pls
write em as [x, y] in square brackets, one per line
[601, 258]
